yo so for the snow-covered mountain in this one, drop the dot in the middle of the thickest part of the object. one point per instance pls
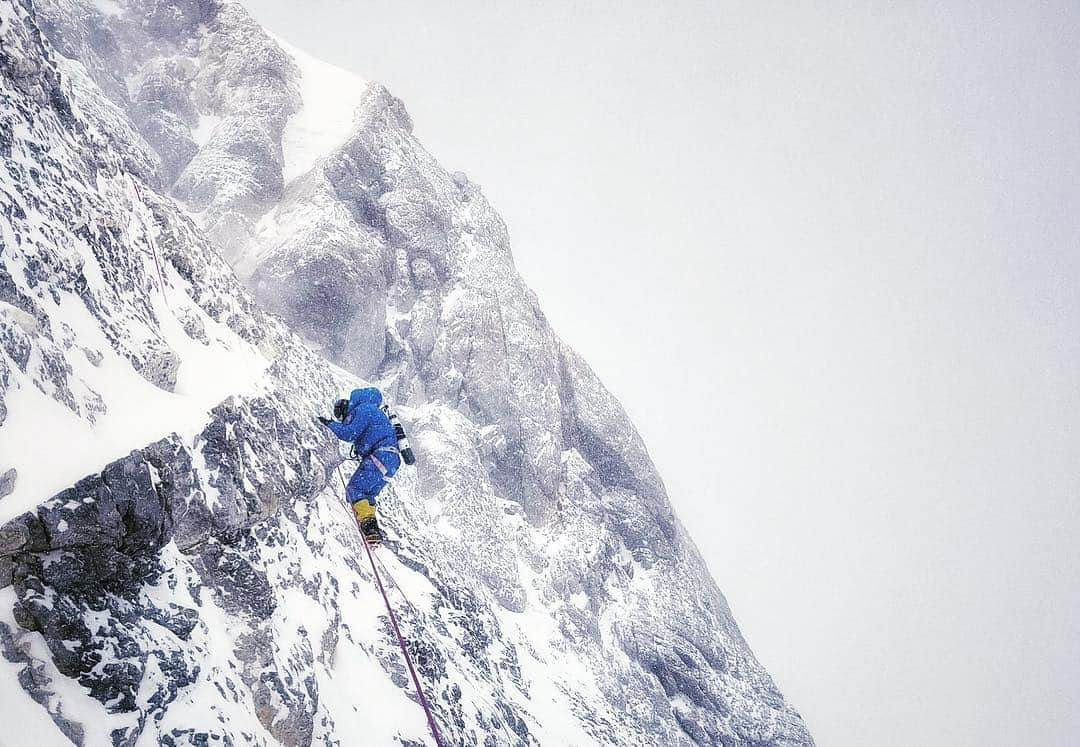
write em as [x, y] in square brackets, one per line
[208, 236]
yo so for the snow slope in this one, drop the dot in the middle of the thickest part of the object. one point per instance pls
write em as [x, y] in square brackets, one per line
[137, 412]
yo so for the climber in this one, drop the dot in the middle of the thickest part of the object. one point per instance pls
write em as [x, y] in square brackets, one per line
[362, 421]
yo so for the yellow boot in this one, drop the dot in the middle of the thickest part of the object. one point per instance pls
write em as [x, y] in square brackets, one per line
[363, 510]
[369, 525]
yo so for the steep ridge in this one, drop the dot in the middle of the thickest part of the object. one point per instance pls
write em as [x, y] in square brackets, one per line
[183, 569]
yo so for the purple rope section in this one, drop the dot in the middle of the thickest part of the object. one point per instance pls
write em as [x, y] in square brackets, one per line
[499, 718]
[386, 572]
[397, 632]
[404, 650]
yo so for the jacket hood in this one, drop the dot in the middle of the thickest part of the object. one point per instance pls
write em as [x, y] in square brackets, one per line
[366, 396]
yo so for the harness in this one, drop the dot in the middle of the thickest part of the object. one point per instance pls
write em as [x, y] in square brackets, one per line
[378, 462]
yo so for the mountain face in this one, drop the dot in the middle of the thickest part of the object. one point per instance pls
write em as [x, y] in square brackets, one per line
[206, 238]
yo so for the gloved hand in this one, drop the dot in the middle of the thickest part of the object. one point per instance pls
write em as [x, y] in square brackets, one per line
[323, 421]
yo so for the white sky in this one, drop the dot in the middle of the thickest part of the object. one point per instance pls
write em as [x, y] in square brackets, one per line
[829, 260]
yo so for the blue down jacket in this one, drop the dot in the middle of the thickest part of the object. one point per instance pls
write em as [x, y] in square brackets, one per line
[366, 425]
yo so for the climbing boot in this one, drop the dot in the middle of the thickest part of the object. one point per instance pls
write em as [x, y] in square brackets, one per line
[369, 524]
[370, 529]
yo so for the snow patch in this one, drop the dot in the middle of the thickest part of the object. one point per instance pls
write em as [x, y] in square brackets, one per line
[26, 322]
[330, 96]
[201, 132]
[109, 8]
[138, 413]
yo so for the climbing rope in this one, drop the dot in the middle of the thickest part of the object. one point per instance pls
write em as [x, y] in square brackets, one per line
[153, 243]
[397, 630]
[497, 715]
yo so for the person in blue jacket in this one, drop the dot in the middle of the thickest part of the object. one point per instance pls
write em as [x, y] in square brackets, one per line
[361, 421]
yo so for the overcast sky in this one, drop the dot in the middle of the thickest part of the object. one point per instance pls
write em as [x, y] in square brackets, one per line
[829, 260]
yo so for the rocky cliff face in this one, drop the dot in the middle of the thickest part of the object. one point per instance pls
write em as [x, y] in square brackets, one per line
[182, 570]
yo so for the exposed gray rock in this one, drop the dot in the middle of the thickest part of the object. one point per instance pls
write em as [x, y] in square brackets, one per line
[25, 532]
[171, 136]
[194, 327]
[37, 683]
[93, 550]
[158, 364]
[249, 82]
[94, 356]
[109, 127]
[7, 480]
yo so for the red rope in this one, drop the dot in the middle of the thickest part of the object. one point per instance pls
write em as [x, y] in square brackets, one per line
[397, 632]
[404, 650]
[386, 572]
